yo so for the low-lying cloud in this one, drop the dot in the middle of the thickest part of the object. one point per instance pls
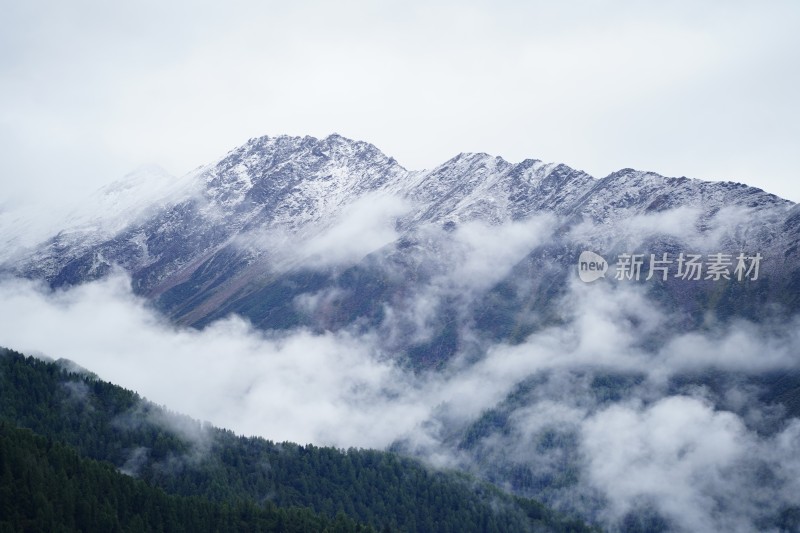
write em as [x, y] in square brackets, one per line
[300, 386]
[697, 457]
[356, 230]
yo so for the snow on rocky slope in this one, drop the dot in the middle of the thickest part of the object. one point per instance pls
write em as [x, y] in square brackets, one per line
[226, 231]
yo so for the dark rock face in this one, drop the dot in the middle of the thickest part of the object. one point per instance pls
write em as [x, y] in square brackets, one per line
[234, 240]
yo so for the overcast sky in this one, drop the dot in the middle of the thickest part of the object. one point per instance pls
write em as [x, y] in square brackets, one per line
[90, 90]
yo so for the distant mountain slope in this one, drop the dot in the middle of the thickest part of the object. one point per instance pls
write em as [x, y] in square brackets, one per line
[283, 221]
[466, 276]
[183, 457]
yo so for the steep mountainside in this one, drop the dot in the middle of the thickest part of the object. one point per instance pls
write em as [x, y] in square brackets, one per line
[247, 481]
[652, 387]
[281, 221]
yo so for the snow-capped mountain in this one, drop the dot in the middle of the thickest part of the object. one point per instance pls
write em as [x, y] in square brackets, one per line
[329, 232]
[465, 279]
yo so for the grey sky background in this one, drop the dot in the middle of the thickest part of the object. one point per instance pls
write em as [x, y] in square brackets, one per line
[91, 90]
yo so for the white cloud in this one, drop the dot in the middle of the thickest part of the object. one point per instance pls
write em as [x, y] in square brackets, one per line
[483, 254]
[670, 451]
[696, 462]
[359, 228]
[364, 226]
[299, 387]
[697, 465]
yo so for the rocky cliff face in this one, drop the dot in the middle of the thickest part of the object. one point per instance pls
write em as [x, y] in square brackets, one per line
[332, 233]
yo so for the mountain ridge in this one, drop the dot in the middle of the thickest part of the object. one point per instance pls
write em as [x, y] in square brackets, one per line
[236, 226]
[467, 276]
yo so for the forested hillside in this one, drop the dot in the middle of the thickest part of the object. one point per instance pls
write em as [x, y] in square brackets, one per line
[221, 474]
[46, 486]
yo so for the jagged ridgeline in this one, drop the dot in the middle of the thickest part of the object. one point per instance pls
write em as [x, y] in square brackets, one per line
[95, 456]
[331, 233]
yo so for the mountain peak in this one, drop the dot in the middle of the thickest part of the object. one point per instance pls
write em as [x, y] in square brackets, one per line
[290, 185]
